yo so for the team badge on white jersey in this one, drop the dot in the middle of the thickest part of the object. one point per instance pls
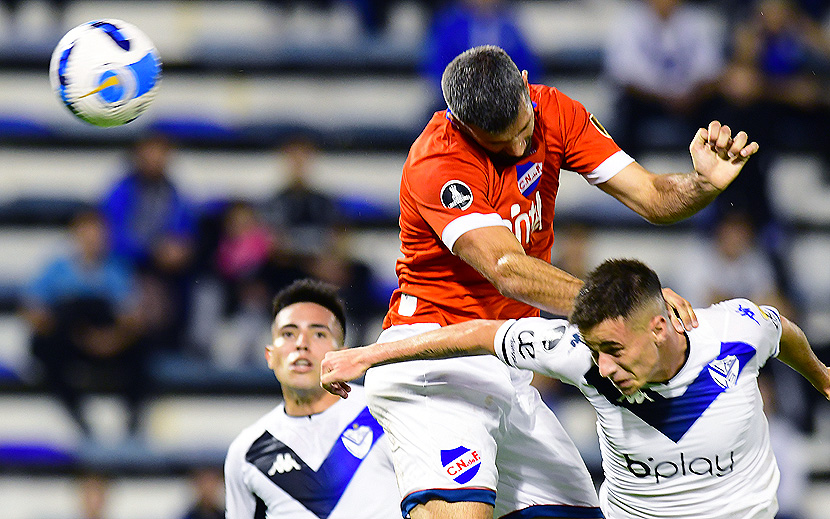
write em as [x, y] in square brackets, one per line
[725, 371]
[358, 440]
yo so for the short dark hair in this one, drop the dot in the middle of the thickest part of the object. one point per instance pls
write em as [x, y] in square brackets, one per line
[483, 87]
[311, 291]
[616, 288]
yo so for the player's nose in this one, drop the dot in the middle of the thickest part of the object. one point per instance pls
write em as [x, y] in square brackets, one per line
[517, 147]
[302, 341]
[606, 366]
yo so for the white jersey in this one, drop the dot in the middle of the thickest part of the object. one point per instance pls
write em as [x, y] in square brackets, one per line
[335, 464]
[695, 447]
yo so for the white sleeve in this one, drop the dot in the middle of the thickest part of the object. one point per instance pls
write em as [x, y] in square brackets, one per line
[773, 326]
[547, 346]
[240, 502]
[760, 326]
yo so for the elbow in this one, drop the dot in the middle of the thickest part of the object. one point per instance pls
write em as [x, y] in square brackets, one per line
[658, 216]
[660, 219]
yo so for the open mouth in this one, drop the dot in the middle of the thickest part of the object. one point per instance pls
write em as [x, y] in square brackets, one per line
[301, 365]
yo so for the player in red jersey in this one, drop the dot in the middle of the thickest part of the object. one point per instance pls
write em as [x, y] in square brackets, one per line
[477, 204]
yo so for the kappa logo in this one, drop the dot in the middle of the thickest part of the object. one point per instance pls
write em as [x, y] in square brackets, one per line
[456, 195]
[461, 463]
[725, 371]
[284, 462]
[358, 440]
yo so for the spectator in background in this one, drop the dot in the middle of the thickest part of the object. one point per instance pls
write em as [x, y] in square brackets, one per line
[153, 226]
[664, 58]
[302, 217]
[244, 265]
[774, 77]
[743, 267]
[774, 86]
[464, 24]
[85, 322]
[208, 488]
[311, 236]
[356, 285]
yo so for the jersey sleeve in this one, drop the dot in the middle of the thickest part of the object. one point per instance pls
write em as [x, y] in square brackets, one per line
[760, 326]
[772, 326]
[240, 503]
[450, 192]
[548, 346]
[589, 148]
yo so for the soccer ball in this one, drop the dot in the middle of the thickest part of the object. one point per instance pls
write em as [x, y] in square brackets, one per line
[106, 72]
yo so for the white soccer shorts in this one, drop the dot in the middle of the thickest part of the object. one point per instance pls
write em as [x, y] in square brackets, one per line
[474, 429]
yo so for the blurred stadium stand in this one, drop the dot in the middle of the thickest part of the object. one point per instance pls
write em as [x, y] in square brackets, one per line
[239, 77]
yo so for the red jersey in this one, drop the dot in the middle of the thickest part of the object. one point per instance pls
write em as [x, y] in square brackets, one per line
[450, 186]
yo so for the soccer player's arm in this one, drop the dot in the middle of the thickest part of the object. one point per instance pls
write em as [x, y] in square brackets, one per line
[473, 337]
[795, 351]
[717, 158]
[498, 256]
[240, 503]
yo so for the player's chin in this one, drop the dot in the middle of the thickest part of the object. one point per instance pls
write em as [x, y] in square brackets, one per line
[627, 387]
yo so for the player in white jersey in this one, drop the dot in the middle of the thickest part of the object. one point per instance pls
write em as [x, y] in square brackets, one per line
[314, 456]
[679, 415]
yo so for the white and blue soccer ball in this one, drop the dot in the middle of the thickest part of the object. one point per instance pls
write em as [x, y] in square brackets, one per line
[106, 72]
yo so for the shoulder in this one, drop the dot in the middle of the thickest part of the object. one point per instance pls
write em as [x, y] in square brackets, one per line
[442, 143]
[354, 405]
[243, 441]
[742, 320]
[550, 98]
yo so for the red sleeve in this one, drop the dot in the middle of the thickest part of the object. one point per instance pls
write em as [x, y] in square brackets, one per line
[449, 185]
[586, 143]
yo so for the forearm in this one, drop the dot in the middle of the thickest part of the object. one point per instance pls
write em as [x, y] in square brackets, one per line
[458, 340]
[536, 282]
[678, 196]
[795, 351]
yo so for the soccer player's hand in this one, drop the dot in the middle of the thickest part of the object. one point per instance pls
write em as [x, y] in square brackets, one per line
[337, 368]
[718, 156]
[681, 312]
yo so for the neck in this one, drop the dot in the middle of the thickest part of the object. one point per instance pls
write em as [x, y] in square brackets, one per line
[306, 403]
[676, 351]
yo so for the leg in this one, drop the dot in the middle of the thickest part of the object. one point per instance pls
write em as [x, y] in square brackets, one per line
[541, 473]
[441, 418]
[437, 509]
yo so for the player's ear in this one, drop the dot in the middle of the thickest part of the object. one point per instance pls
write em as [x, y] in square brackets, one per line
[659, 327]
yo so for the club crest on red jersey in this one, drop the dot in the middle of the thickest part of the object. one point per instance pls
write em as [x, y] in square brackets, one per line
[528, 176]
[461, 463]
[598, 125]
[456, 195]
